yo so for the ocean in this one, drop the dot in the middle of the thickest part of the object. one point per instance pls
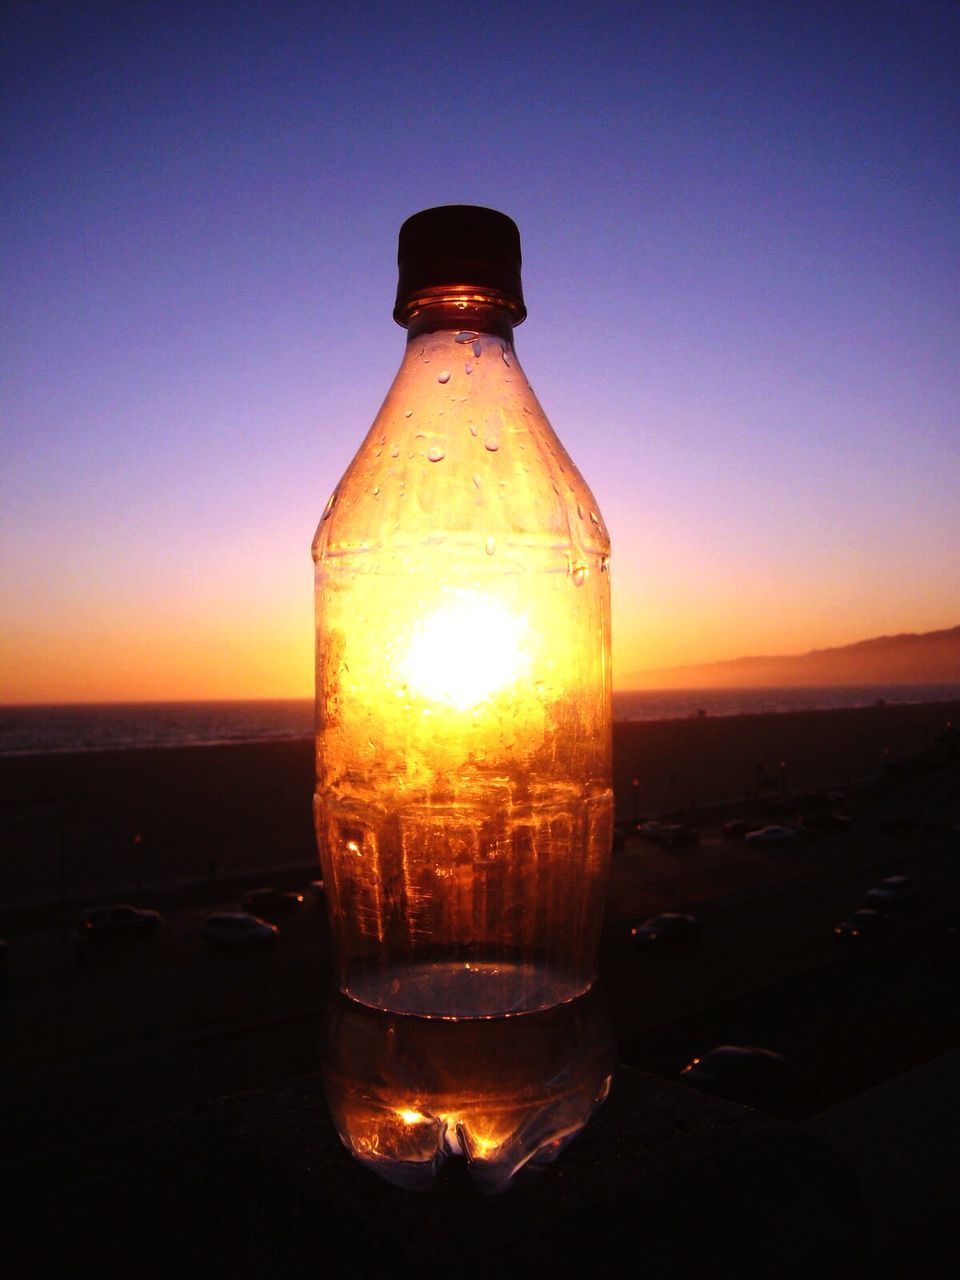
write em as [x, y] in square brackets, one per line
[30, 730]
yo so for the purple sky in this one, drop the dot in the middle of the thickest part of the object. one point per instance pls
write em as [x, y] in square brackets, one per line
[740, 231]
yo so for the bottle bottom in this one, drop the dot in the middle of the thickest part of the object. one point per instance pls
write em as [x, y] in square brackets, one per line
[471, 989]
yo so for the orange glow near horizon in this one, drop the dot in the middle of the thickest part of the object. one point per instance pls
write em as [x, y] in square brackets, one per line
[215, 659]
[219, 632]
[224, 656]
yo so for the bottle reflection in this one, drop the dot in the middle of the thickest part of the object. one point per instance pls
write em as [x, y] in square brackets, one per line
[505, 1094]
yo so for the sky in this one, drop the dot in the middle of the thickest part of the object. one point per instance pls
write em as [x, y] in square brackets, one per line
[740, 238]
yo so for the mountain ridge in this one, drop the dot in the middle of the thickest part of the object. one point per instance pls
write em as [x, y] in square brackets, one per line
[926, 657]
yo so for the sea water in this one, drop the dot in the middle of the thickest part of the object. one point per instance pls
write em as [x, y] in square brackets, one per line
[128, 726]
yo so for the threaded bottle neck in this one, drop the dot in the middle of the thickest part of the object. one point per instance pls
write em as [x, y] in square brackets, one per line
[468, 311]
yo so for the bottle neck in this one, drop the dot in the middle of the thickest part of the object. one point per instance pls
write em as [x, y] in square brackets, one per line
[467, 313]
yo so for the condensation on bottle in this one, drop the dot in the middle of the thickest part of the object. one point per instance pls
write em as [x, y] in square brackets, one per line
[463, 800]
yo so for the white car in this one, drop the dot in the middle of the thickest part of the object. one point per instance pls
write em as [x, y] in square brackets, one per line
[772, 835]
[238, 927]
[895, 891]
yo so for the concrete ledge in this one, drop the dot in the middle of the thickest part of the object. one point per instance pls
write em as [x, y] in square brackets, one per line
[902, 1139]
[663, 1182]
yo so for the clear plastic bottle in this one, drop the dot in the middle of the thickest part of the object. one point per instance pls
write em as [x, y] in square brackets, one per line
[463, 803]
[505, 1095]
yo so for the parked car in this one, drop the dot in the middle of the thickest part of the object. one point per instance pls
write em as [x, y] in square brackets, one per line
[862, 926]
[894, 892]
[271, 902]
[740, 1072]
[120, 920]
[236, 928]
[772, 835]
[776, 806]
[737, 828]
[669, 926]
[649, 830]
[825, 822]
[675, 835]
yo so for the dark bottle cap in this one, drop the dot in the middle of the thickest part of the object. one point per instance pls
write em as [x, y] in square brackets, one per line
[460, 246]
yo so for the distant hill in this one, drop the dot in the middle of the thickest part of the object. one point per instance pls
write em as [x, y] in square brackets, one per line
[932, 657]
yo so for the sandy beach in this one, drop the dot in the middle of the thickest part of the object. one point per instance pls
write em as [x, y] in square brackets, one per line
[687, 763]
[78, 827]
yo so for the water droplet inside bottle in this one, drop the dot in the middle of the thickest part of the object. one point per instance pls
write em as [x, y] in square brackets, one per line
[466, 335]
[473, 430]
[468, 368]
[395, 451]
[477, 349]
[580, 510]
[376, 491]
[491, 443]
[477, 481]
[435, 453]
[505, 354]
[578, 572]
[595, 518]
[490, 546]
[444, 376]
[327, 510]
[408, 414]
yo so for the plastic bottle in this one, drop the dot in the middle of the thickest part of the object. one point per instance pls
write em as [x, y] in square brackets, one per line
[463, 804]
[506, 1095]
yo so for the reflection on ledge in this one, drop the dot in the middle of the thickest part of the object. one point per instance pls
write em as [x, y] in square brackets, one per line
[506, 1094]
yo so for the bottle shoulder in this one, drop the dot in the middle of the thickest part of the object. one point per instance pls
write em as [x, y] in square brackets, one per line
[461, 453]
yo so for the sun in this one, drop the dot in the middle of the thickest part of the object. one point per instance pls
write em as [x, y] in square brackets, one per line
[467, 652]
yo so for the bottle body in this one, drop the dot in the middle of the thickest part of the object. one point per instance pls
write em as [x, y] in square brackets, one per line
[408, 1094]
[463, 803]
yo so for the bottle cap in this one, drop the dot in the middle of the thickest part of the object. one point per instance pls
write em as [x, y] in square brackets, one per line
[460, 245]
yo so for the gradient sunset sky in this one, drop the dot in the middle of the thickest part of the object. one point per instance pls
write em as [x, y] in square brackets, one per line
[740, 235]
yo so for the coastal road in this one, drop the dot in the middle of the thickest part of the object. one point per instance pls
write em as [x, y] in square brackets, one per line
[96, 1039]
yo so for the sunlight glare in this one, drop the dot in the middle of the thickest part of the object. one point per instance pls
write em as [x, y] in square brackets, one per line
[466, 652]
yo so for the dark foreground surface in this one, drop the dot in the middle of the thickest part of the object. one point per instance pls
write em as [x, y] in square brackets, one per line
[107, 1052]
[663, 1180]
